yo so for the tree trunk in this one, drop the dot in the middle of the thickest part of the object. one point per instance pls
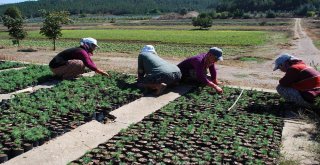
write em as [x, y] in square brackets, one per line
[54, 44]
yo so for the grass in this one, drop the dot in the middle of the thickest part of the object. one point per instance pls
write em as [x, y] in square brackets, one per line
[165, 50]
[317, 43]
[240, 75]
[234, 38]
[252, 59]
[289, 162]
[179, 41]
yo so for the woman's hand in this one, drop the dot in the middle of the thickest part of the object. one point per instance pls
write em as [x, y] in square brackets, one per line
[106, 74]
[217, 82]
[99, 71]
[219, 90]
[216, 87]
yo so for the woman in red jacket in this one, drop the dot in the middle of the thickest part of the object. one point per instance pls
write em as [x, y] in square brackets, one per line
[301, 83]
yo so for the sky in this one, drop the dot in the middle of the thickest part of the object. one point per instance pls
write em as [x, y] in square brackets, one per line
[11, 1]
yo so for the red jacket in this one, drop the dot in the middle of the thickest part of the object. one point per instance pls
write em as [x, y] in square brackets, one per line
[303, 78]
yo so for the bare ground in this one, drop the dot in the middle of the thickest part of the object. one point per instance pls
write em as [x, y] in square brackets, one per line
[253, 74]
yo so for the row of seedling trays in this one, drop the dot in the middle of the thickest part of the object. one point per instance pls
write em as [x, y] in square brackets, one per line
[29, 120]
[197, 128]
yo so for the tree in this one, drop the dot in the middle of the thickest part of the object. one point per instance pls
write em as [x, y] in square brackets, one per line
[13, 12]
[52, 24]
[203, 20]
[13, 20]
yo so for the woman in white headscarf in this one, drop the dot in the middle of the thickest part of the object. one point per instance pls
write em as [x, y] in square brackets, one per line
[70, 63]
[154, 72]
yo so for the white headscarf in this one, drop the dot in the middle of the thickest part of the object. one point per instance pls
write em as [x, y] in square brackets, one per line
[89, 41]
[148, 48]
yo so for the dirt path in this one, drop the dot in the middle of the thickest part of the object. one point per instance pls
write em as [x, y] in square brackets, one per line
[304, 47]
[297, 143]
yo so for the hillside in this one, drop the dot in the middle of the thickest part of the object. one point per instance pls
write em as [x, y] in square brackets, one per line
[116, 7]
[120, 7]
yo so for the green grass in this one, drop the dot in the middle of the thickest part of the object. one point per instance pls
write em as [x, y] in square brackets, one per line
[317, 43]
[168, 43]
[250, 59]
[164, 50]
[235, 38]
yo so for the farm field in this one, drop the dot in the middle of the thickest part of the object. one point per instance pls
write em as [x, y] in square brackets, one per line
[235, 36]
[197, 126]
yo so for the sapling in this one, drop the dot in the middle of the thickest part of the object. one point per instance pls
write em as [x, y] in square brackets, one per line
[265, 142]
[17, 143]
[207, 156]
[116, 154]
[264, 152]
[270, 131]
[175, 158]
[162, 132]
[177, 130]
[218, 159]
[160, 155]
[273, 154]
[6, 137]
[16, 133]
[190, 129]
[119, 145]
[131, 156]
[86, 160]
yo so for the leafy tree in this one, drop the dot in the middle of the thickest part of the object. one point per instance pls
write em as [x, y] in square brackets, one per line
[270, 14]
[213, 14]
[10, 14]
[305, 9]
[183, 11]
[13, 12]
[155, 11]
[238, 13]
[203, 20]
[52, 24]
[13, 20]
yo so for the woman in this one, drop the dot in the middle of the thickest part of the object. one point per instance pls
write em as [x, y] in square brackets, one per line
[300, 84]
[195, 68]
[154, 72]
[70, 63]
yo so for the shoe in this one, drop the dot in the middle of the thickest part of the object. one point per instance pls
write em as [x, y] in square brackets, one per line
[160, 90]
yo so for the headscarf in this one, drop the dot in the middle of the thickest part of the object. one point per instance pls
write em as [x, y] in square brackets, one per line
[148, 48]
[88, 43]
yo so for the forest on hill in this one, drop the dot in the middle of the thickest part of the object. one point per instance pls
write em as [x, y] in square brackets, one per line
[120, 7]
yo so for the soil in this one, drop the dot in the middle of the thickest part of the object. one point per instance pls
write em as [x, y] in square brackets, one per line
[251, 74]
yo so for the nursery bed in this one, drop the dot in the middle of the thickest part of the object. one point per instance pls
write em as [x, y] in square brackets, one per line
[28, 120]
[13, 80]
[9, 64]
[198, 129]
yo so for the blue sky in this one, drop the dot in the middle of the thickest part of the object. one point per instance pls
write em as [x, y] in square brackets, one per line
[10, 1]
